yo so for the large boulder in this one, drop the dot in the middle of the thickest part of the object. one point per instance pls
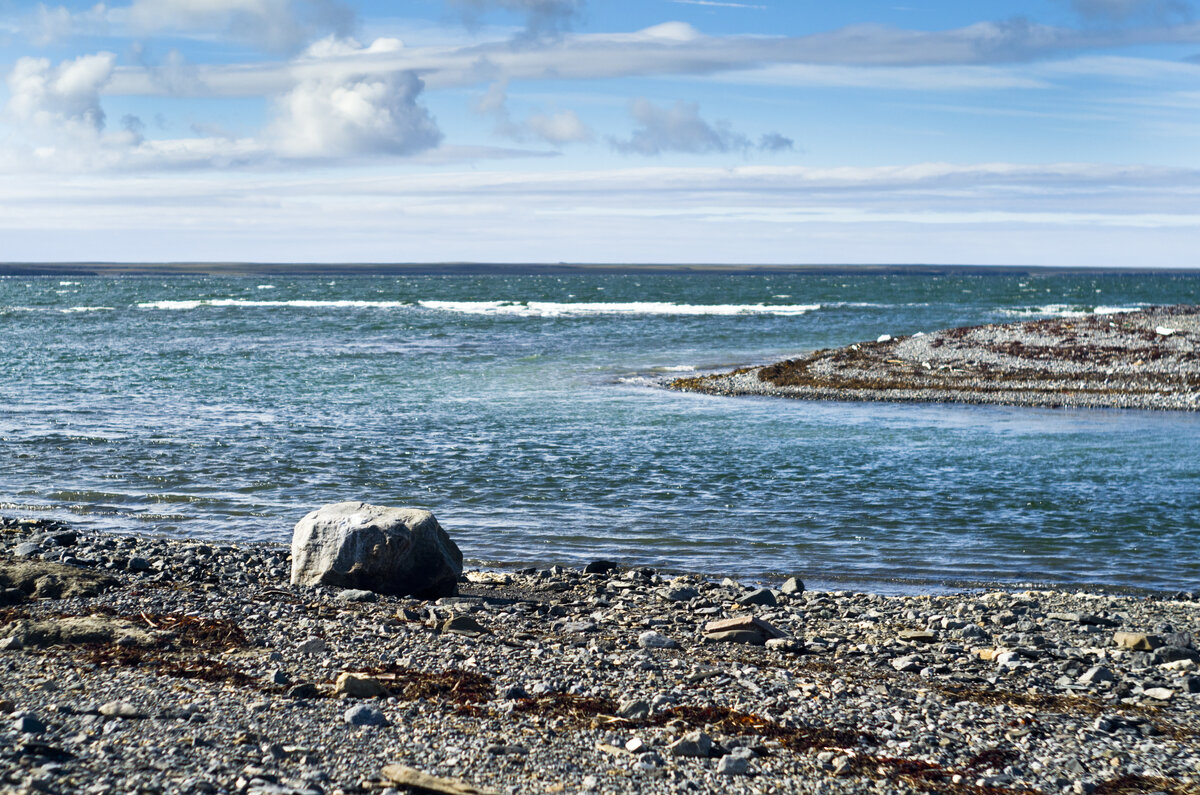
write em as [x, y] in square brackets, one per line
[398, 551]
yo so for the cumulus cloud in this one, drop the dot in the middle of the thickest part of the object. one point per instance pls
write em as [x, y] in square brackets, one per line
[542, 17]
[680, 128]
[346, 117]
[1128, 10]
[62, 99]
[274, 24]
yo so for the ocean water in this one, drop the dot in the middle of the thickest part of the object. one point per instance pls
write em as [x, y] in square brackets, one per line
[524, 411]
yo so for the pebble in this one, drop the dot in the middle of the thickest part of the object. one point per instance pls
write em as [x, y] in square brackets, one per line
[362, 715]
[655, 640]
[565, 678]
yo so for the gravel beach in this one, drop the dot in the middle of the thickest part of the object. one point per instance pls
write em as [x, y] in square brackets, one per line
[142, 664]
[1146, 359]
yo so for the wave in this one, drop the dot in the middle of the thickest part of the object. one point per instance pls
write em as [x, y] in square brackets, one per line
[66, 310]
[239, 302]
[556, 309]
[1066, 310]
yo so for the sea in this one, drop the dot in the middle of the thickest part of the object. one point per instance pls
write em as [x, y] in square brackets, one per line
[527, 411]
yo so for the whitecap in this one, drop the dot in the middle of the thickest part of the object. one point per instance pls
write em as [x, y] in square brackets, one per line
[559, 309]
[1066, 310]
[302, 303]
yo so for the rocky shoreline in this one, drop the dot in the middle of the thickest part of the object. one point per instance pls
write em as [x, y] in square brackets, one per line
[1147, 359]
[149, 665]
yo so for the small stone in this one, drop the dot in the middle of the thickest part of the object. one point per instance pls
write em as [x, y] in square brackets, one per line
[313, 646]
[762, 597]
[1137, 641]
[746, 636]
[1191, 684]
[787, 645]
[498, 749]
[464, 625]
[138, 564]
[357, 595]
[635, 745]
[655, 640]
[1097, 674]
[277, 677]
[634, 709]
[11, 643]
[363, 715]
[792, 585]
[28, 724]
[27, 550]
[359, 686]
[907, 664]
[733, 766]
[120, 709]
[1159, 693]
[918, 636]
[679, 594]
[599, 567]
[303, 690]
[694, 744]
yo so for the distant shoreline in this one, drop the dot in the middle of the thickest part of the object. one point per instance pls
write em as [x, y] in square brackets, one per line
[240, 269]
[1142, 359]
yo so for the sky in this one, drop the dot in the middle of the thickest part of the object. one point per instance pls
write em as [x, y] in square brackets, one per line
[1011, 132]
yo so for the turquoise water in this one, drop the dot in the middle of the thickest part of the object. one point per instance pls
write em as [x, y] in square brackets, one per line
[522, 410]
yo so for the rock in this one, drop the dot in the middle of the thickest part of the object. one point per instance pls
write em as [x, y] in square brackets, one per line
[787, 645]
[1159, 693]
[27, 549]
[717, 630]
[599, 567]
[907, 664]
[277, 677]
[634, 709]
[138, 564]
[1137, 641]
[733, 766]
[1191, 684]
[693, 744]
[792, 585]
[313, 646]
[1097, 674]
[78, 630]
[464, 625]
[395, 551]
[28, 724]
[46, 580]
[655, 640]
[120, 709]
[762, 597]
[679, 594]
[746, 636]
[918, 636]
[11, 643]
[363, 715]
[413, 779]
[357, 595]
[359, 686]
[303, 690]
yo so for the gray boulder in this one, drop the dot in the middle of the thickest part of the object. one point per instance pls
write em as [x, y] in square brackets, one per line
[396, 551]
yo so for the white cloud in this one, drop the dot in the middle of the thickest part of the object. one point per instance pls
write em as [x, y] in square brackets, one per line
[558, 128]
[1066, 214]
[676, 129]
[61, 100]
[333, 118]
[564, 127]
[681, 129]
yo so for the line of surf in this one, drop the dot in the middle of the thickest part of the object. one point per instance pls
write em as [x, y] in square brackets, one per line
[561, 309]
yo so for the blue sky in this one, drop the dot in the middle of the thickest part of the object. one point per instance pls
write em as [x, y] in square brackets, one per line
[1062, 132]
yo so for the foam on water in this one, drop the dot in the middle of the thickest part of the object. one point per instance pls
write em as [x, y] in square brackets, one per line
[1067, 310]
[561, 309]
[196, 303]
